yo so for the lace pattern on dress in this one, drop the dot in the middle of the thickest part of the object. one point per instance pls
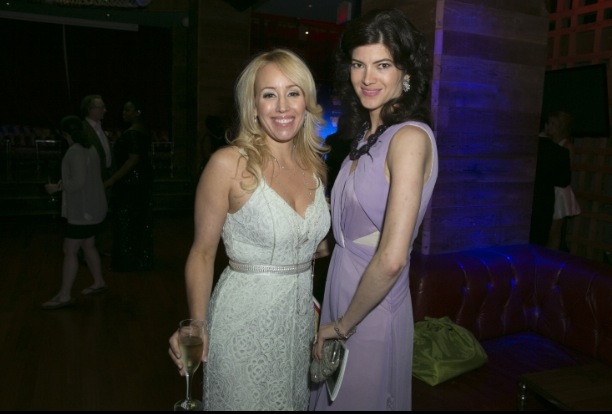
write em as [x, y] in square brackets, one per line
[260, 324]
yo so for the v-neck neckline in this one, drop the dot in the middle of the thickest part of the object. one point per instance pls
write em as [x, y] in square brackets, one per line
[303, 217]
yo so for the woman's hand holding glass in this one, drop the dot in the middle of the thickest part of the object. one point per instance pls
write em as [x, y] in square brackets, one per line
[188, 349]
[52, 188]
[175, 351]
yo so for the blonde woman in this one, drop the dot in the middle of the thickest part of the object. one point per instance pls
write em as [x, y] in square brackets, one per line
[263, 195]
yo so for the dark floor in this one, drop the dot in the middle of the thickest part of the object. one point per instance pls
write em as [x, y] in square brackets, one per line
[109, 351]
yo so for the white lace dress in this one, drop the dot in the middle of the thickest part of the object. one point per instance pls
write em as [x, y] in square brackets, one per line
[261, 325]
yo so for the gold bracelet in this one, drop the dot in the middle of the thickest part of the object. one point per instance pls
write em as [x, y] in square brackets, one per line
[340, 334]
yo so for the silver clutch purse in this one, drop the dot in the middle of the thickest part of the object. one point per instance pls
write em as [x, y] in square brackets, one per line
[320, 370]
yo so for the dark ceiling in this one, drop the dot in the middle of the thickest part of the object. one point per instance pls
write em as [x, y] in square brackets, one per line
[314, 10]
[317, 10]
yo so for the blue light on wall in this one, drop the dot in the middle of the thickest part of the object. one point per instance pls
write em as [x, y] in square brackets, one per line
[331, 110]
[330, 126]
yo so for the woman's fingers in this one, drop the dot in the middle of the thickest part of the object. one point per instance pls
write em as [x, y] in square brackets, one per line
[175, 352]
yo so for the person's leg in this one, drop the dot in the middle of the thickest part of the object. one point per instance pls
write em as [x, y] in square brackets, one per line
[71, 267]
[92, 257]
[69, 271]
[563, 245]
[554, 237]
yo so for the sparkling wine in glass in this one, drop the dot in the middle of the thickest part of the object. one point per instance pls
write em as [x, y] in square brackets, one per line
[191, 340]
[53, 199]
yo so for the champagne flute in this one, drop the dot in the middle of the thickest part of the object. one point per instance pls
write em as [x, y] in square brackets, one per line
[191, 341]
[51, 194]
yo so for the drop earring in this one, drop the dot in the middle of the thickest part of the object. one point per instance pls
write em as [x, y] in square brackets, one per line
[406, 84]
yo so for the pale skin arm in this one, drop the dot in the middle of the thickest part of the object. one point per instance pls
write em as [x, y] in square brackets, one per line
[53, 188]
[407, 166]
[218, 193]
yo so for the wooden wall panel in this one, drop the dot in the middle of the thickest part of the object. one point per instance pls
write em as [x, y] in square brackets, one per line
[590, 233]
[483, 47]
[523, 7]
[457, 119]
[480, 144]
[182, 99]
[485, 170]
[483, 193]
[495, 97]
[495, 19]
[223, 47]
[491, 84]
[223, 43]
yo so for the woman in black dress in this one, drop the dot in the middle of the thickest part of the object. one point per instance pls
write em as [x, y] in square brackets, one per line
[131, 197]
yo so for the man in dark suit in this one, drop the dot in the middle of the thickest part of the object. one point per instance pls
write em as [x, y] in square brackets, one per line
[92, 112]
[553, 169]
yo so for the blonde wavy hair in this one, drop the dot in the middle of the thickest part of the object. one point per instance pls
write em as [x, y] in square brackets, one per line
[309, 147]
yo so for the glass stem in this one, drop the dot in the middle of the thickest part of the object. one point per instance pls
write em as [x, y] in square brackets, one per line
[188, 379]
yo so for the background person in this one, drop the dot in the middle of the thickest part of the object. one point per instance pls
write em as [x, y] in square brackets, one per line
[83, 206]
[559, 129]
[132, 194]
[93, 110]
[553, 169]
[264, 196]
[378, 201]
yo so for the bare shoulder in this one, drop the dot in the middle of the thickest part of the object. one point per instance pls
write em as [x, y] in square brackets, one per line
[224, 177]
[411, 151]
[227, 161]
[411, 136]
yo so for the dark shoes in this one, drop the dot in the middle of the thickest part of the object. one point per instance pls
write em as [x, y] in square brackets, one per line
[55, 303]
[94, 290]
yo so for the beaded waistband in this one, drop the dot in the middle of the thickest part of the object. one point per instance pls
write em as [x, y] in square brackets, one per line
[275, 269]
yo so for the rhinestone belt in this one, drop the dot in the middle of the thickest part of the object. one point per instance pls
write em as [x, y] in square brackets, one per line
[275, 269]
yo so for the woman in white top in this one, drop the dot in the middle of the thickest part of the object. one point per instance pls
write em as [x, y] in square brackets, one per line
[84, 207]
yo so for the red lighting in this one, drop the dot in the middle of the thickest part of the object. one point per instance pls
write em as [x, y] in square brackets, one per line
[343, 14]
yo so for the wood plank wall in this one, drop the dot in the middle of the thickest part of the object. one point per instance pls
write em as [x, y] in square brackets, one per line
[223, 47]
[590, 233]
[208, 51]
[489, 62]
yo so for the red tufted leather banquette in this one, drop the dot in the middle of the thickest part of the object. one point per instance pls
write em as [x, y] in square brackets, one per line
[532, 308]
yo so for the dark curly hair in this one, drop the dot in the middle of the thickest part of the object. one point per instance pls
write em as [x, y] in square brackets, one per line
[73, 126]
[409, 51]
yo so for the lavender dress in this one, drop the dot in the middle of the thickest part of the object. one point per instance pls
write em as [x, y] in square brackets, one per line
[378, 375]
